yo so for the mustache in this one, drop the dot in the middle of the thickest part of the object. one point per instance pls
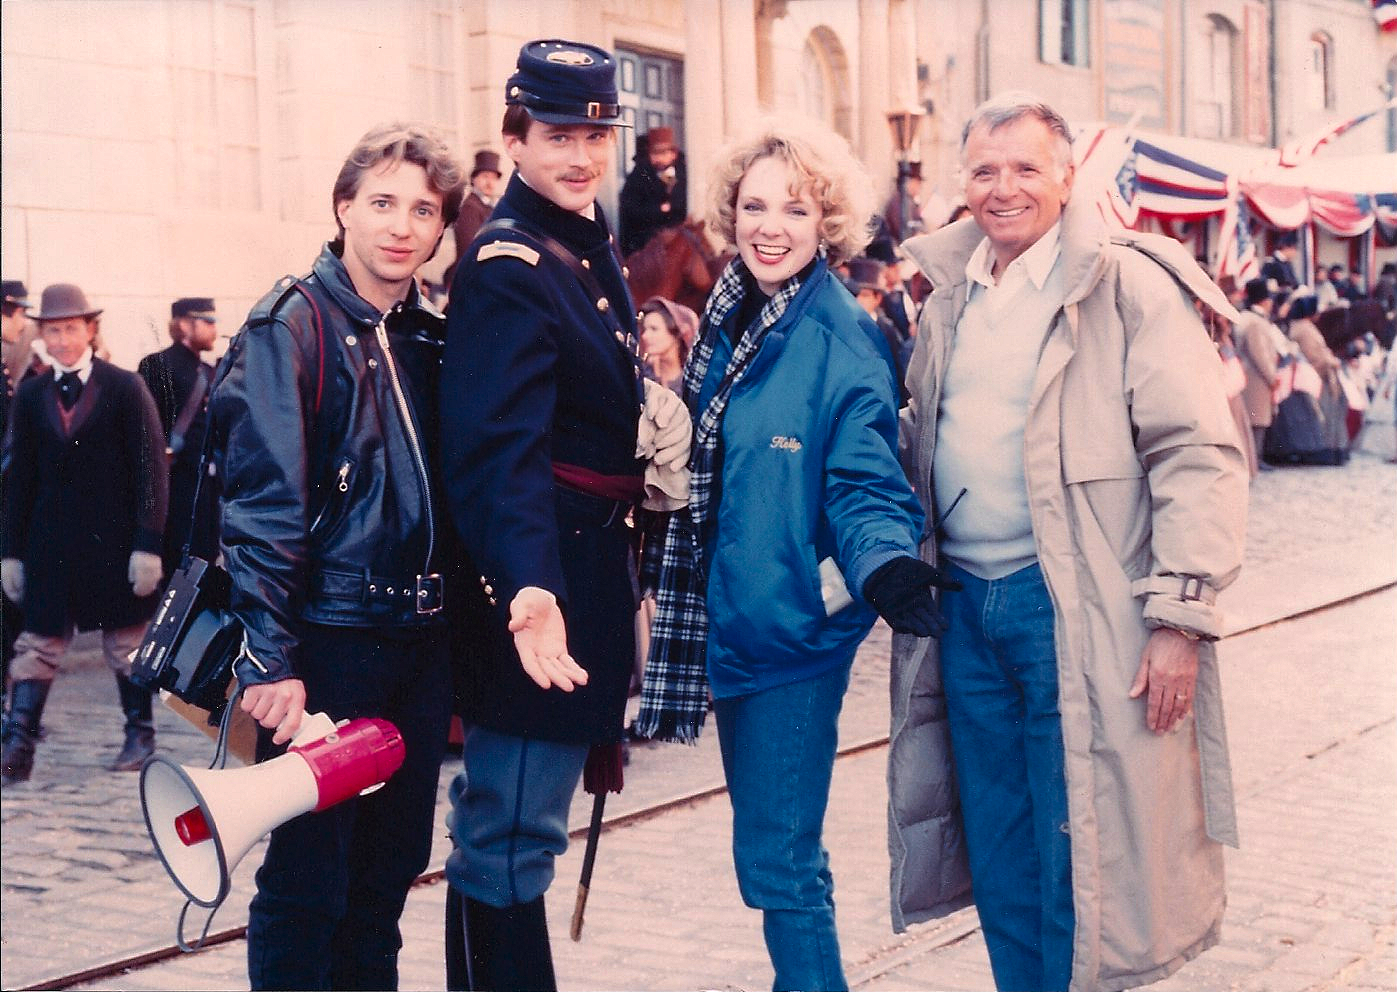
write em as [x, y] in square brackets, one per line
[582, 175]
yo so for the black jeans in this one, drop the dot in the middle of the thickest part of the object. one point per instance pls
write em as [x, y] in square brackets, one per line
[331, 889]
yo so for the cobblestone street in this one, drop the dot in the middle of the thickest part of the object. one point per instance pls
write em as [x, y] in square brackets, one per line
[1312, 714]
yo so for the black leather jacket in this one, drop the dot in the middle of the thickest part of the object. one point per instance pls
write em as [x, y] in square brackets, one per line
[326, 439]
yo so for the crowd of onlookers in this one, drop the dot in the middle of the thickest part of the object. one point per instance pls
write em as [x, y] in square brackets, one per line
[1307, 367]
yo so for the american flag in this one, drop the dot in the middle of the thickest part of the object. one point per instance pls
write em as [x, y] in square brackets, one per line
[1122, 193]
[1301, 149]
[1236, 248]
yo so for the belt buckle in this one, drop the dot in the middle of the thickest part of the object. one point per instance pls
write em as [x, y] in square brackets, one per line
[427, 596]
[1191, 587]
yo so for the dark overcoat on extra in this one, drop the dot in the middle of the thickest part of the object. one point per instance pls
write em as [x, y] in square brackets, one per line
[78, 502]
[537, 374]
[170, 375]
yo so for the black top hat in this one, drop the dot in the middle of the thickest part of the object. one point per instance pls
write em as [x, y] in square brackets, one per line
[188, 305]
[565, 82]
[486, 161]
[15, 293]
[63, 300]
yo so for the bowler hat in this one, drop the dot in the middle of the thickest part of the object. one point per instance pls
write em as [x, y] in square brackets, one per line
[15, 293]
[565, 82]
[63, 300]
[486, 161]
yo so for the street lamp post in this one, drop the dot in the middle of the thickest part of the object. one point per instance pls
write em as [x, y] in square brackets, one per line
[904, 125]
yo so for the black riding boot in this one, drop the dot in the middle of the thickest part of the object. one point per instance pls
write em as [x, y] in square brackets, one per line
[140, 726]
[497, 950]
[27, 698]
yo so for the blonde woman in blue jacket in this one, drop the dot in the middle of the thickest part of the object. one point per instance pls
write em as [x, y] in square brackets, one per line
[800, 530]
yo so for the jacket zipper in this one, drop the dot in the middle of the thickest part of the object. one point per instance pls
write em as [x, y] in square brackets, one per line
[381, 331]
[341, 487]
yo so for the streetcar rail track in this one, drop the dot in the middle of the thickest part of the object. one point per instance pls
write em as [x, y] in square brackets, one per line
[145, 959]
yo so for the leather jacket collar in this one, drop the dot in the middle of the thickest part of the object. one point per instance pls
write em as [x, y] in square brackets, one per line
[330, 272]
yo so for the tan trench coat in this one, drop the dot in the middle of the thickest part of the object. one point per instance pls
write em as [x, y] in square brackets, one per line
[1135, 478]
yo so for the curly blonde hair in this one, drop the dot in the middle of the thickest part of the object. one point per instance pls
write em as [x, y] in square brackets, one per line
[824, 165]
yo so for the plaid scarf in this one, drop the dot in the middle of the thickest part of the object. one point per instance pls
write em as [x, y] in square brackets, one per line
[674, 699]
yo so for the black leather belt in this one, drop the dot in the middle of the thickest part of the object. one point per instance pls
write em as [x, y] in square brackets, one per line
[423, 593]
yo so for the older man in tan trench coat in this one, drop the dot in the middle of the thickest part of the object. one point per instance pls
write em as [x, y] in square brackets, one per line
[1133, 492]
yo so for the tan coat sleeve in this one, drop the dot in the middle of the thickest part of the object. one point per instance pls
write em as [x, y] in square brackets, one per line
[1186, 441]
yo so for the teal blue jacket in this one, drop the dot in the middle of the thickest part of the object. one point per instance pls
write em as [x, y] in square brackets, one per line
[809, 471]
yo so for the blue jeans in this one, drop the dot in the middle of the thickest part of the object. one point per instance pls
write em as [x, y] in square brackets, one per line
[999, 668]
[509, 815]
[778, 754]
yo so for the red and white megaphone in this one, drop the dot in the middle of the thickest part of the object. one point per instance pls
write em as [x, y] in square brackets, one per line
[203, 820]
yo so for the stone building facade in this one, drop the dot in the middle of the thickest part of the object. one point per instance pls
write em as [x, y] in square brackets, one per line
[159, 148]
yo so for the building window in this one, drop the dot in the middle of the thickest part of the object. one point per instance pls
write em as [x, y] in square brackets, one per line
[825, 77]
[1063, 37]
[214, 78]
[432, 68]
[1214, 83]
[1318, 72]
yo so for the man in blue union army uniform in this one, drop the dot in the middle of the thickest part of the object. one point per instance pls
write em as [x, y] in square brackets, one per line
[540, 401]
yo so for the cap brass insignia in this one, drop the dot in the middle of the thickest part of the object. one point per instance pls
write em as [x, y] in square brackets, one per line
[570, 56]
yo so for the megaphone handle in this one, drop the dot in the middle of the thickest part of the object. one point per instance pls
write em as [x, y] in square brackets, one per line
[314, 727]
[179, 928]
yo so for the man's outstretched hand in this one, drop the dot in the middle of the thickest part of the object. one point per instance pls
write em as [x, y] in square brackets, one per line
[541, 638]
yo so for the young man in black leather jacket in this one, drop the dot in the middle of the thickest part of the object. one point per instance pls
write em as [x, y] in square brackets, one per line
[325, 424]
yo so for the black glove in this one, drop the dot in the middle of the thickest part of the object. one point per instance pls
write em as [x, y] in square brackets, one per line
[901, 593]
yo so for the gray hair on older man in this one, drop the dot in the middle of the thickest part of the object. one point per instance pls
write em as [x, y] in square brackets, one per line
[1012, 105]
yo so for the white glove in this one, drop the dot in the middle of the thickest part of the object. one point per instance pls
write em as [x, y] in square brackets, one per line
[12, 578]
[144, 572]
[669, 432]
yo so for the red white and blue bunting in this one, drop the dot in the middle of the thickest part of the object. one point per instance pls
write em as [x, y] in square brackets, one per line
[1132, 179]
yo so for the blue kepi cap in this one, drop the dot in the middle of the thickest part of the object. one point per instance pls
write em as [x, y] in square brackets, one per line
[566, 82]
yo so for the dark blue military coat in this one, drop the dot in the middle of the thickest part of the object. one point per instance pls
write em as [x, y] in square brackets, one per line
[537, 372]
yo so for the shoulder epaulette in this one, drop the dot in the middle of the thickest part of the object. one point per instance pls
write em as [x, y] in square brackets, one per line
[263, 311]
[507, 249]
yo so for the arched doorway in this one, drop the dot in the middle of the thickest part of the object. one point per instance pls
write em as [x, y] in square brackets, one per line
[825, 78]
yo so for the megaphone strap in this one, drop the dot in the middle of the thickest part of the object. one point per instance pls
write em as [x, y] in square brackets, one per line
[220, 751]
